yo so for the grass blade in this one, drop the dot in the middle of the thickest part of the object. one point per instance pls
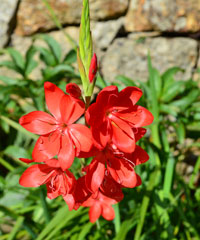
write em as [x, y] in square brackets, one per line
[16, 228]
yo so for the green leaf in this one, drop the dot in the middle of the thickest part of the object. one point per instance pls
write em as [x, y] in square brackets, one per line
[169, 109]
[194, 174]
[46, 56]
[17, 58]
[62, 68]
[10, 65]
[53, 46]
[125, 228]
[155, 76]
[186, 101]
[16, 228]
[58, 222]
[30, 62]
[101, 82]
[70, 57]
[180, 131]
[168, 77]
[16, 152]
[127, 81]
[172, 91]
[85, 230]
[154, 103]
[8, 80]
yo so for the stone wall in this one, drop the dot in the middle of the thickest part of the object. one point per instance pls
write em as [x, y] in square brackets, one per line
[123, 32]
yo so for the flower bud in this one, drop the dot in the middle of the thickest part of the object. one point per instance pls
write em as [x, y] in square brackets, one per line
[73, 90]
[93, 68]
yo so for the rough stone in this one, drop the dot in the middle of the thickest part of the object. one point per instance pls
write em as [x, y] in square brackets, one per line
[103, 33]
[7, 10]
[163, 15]
[129, 56]
[33, 16]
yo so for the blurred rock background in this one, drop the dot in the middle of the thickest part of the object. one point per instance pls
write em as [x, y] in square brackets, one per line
[123, 32]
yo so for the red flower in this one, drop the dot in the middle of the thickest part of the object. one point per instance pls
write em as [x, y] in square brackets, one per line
[57, 181]
[100, 202]
[114, 116]
[119, 165]
[59, 136]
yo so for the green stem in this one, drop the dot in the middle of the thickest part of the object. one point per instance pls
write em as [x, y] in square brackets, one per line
[18, 127]
[6, 164]
[59, 25]
[170, 164]
[44, 205]
[117, 221]
[196, 169]
[145, 203]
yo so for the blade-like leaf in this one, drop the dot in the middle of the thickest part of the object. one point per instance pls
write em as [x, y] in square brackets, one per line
[172, 91]
[70, 57]
[168, 77]
[125, 80]
[46, 56]
[30, 62]
[17, 58]
[186, 101]
[53, 46]
[62, 68]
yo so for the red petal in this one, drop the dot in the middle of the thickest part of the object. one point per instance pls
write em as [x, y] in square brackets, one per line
[139, 156]
[36, 175]
[67, 152]
[53, 96]
[103, 96]
[123, 136]
[139, 117]
[81, 192]
[73, 89]
[38, 122]
[139, 133]
[132, 94]
[108, 212]
[25, 160]
[69, 199]
[122, 172]
[95, 174]
[95, 115]
[101, 135]
[54, 163]
[71, 181]
[46, 147]
[111, 191]
[95, 212]
[71, 109]
[82, 136]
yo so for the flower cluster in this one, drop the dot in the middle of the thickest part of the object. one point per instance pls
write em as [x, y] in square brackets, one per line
[113, 127]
